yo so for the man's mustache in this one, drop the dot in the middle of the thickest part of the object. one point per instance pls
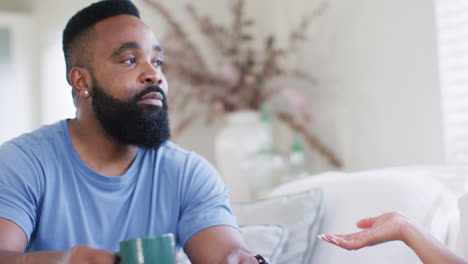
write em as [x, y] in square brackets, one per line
[147, 90]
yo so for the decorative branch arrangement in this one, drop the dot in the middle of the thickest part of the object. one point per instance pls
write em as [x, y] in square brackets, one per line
[246, 77]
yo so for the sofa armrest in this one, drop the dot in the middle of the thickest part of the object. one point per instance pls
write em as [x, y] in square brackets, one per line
[462, 241]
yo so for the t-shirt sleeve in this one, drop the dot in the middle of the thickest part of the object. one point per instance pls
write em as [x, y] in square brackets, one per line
[20, 186]
[205, 200]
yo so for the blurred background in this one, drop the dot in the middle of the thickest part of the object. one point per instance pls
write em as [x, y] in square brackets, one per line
[389, 76]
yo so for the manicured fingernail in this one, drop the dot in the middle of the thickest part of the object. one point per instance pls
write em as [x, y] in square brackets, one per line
[324, 238]
[336, 241]
[337, 238]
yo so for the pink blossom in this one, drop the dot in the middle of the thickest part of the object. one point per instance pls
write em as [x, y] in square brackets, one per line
[250, 79]
[295, 97]
[230, 74]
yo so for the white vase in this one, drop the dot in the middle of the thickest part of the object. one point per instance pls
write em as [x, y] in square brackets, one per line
[237, 146]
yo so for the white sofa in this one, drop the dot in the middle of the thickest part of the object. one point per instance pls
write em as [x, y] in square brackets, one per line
[422, 193]
[284, 226]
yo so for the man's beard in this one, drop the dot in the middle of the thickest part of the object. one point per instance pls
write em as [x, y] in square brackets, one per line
[129, 122]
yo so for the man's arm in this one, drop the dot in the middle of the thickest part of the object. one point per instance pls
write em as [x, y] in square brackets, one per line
[218, 245]
[13, 242]
[12, 237]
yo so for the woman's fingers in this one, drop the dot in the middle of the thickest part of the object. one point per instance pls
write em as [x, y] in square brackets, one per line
[329, 239]
[376, 230]
[350, 241]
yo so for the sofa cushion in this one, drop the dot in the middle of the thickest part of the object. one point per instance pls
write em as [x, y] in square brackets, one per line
[350, 197]
[300, 213]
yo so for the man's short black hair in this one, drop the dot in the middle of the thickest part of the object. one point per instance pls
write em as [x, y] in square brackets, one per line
[84, 20]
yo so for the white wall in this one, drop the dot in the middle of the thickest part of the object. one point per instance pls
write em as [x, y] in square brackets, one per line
[378, 100]
[17, 87]
[383, 88]
[16, 5]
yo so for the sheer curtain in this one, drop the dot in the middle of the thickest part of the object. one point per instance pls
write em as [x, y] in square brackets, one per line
[452, 23]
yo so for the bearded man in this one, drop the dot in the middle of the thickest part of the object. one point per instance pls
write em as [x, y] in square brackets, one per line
[70, 191]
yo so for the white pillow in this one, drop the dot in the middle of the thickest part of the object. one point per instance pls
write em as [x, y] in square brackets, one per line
[300, 213]
[266, 240]
[350, 197]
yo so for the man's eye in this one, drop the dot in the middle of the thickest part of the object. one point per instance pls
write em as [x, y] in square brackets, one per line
[158, 62]
[129, 61]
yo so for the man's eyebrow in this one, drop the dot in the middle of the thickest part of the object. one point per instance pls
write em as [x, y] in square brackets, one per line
[133, 45]
[124, 47]
[158, 48]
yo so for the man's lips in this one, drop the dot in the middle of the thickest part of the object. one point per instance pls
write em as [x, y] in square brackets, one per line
[152, 98]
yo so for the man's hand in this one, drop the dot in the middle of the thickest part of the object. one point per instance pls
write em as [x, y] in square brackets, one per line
[77, 255]
[13, 242]
[86, 255]
[240, 256]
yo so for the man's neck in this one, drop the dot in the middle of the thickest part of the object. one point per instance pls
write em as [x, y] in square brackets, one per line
[98, 149]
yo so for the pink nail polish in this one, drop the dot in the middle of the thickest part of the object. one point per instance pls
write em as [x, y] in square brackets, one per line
[335, 241]
[339, 238]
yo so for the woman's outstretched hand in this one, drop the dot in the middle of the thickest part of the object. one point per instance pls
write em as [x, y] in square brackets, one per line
[395, 226]
[376, 230]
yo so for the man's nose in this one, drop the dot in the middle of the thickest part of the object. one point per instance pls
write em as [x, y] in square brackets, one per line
[151, 75]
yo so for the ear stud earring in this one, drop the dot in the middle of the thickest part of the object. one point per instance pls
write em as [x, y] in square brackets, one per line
[86, 92]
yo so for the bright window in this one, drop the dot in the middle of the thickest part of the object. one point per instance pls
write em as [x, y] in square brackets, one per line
[452, 22]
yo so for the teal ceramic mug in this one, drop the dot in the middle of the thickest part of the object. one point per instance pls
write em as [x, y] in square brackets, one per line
[144, 250]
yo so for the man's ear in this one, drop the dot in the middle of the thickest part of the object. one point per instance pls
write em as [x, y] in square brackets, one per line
[80, 80]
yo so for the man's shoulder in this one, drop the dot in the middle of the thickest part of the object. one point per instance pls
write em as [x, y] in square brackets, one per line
[39, 140]
[173, 148]
[172, 151]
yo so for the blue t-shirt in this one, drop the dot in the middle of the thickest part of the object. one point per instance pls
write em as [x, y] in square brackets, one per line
[59, 202]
